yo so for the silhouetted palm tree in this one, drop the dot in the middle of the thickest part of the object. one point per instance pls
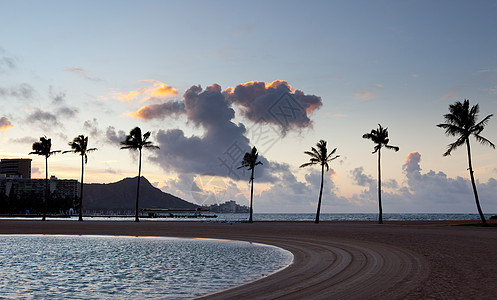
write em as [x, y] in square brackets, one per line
[321, 157]
[44, 148]
[80, 146]
[136, 141]
[250, 161]
[380, 138]
[461, 121]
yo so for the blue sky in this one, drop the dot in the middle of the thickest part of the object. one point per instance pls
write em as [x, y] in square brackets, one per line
[64, 64]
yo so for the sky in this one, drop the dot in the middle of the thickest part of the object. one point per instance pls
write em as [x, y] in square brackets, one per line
[210, 79]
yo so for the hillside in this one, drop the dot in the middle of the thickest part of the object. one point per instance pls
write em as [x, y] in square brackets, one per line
[122, 195]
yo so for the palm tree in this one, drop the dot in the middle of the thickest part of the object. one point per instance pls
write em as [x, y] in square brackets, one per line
[43, 148]
[380, 138]
[461, 121]
[321, 157]
[79, 145]
[250, 161]
[136, 141]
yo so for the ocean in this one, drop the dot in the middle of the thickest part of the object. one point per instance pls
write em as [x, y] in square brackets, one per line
[239, 217]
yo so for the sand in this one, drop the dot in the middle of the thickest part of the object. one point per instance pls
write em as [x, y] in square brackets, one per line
[336, 260]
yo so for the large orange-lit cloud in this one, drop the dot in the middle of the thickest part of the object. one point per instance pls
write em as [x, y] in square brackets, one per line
[157, 90]
[5, 124]
[276, 103]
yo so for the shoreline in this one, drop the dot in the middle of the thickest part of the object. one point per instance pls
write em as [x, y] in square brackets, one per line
[352, 259]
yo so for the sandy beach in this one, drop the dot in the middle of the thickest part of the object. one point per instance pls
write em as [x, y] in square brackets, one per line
[336, 260]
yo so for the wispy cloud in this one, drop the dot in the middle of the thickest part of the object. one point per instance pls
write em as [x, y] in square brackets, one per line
[22, 91]
[451, 94]
[7, 62]
[5, 124]
[91, 126]
[59, 103]
[45, 120]
[82, 73]
[114, 136]
[24, 140]
[365, 95]
[157, 90]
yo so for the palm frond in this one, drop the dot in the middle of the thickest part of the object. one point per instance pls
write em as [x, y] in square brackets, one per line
[150, 146]
[483, 140]
[481, 125]
[451, 147]
[312, 154]
[307, 164]
[392, 147]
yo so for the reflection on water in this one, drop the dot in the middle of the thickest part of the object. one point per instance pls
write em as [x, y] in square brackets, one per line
[77, 267]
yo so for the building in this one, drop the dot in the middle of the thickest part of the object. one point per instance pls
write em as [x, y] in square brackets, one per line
[16, 167]
[20, 186]
[228, 207]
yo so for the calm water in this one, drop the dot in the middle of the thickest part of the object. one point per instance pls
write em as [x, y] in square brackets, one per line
[82, 267]
[311, 217]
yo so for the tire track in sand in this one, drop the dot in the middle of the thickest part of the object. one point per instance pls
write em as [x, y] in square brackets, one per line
[336, 270]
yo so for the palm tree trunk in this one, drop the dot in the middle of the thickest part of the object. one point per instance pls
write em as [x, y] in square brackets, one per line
[46, 190]
[380, 209]
[320, 195]
[81, 189]
[484, 222]
[251, 196]
[138, 187]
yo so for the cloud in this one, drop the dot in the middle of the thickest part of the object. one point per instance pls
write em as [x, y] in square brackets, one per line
[115, 137]
[158, 90]
[452, 94]
[45, 120]
[274, 103]
[7, 62]
[294, 195]
[434, 186]
[59, 103]
[22, 92]
[365, 95]
[91, 126]
[362, 179]
[5, 124]
[218, 151]
[24, 140]
[428, 192]
[82, 73]
[159, 111]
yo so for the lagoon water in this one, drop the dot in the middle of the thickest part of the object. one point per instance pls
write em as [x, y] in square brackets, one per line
[82, 267]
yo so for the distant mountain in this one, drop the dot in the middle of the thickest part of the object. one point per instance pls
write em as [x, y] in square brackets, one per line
[121, 195]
